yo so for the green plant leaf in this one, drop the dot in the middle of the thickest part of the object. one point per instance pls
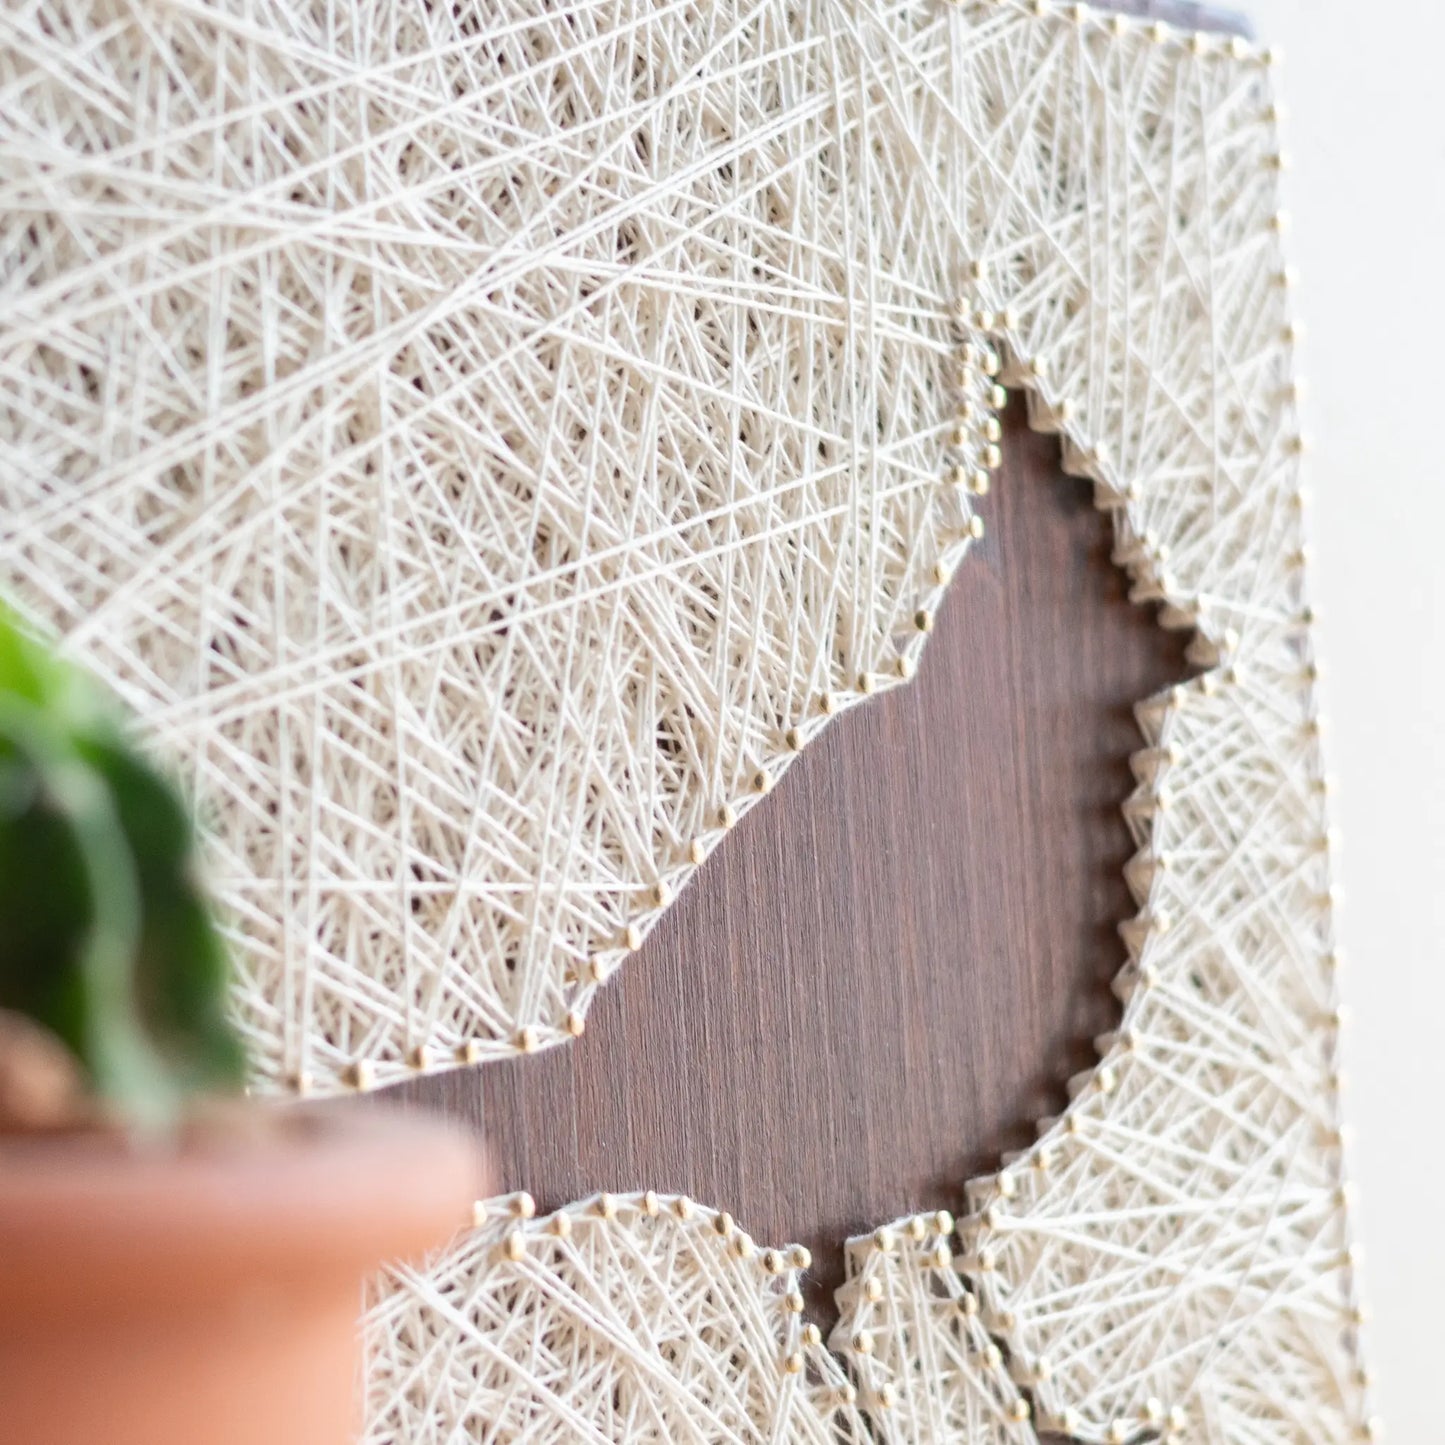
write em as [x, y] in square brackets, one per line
[106, 937]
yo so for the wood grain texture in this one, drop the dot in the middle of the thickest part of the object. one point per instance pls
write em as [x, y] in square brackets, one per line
[886, 974]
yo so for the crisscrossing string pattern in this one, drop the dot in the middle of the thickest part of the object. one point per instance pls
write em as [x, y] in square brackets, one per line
[484, 452]
[485, 445]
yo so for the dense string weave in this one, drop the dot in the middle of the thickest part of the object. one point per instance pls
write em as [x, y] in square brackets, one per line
[485, 444]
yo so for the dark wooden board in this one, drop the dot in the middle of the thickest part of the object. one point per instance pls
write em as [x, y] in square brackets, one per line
[886, 974]
[880, 981]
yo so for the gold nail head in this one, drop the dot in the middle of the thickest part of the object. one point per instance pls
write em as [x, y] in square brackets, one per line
[887, 1395]
[597, 969]
[979, 483]
[828, 703]
[1019, 1410]
[361, 1076]
[515, 1246]
[943, 1222]
[794, 740]
[812, 1336]
[793, 1302]
[606, 1207]
[561, 1226]
[727, 815]
[975, 527]
[867, 684]
[772, 1261]
[794, 1364]
[802, 1257]
[762, 781]
[683, 1207]
[479, 1213]
[873, 1291]
[923, 620]
[884, 1239]
[470, 1052]
[650, 1204]
[942, 574]
[576, 1024]
[723, 1223]
[863, 1343]
[420, 1057]
[998, 398]
[993, 457]
[992, 429]
[979, 270]
[903, 666]
[661, 894]
[697, 852]
[743, 1244]
[527, 1039]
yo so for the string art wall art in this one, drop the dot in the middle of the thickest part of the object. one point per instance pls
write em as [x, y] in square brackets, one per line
[487, 444]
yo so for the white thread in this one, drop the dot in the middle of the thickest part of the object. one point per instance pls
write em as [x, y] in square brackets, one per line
[471, 493]
[367, 368]
[628, 1321]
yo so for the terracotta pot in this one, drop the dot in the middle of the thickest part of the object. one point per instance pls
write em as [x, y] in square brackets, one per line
[209, 1296]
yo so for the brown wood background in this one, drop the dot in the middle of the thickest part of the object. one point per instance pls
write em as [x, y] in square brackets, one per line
[886, 974]
[881, 980]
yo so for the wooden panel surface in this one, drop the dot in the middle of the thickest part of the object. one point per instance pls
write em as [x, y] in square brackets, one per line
[886, 974]
[878, 983]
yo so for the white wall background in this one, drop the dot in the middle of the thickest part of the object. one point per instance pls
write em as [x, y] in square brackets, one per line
[1364, 89]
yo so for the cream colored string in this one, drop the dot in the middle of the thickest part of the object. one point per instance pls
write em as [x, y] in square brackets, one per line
[487, 446]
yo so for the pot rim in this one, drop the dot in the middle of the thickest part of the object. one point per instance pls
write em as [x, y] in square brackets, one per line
[317, 1195]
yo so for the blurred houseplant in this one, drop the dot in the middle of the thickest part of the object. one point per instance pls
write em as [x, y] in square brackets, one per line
[173, 1266]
